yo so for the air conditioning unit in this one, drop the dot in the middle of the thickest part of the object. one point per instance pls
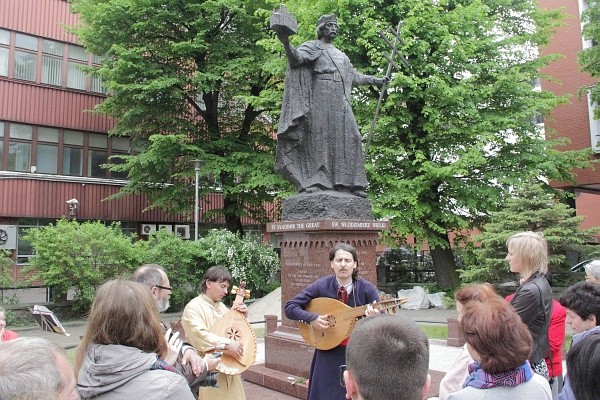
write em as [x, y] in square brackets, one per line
[148, 229]
[8, 237]
[183, 231]
[164, 226]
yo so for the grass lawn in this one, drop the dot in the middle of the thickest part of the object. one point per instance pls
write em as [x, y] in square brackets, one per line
[435, 331]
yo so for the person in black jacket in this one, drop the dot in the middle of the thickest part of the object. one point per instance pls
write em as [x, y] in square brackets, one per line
[528, 256]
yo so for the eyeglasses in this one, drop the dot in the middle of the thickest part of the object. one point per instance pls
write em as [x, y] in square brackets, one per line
[342, 369]
[164, 288]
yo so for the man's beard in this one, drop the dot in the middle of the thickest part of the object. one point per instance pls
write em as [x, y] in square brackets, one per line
[162, 304]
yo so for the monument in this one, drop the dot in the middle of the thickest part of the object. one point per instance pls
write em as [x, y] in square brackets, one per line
[319, 150]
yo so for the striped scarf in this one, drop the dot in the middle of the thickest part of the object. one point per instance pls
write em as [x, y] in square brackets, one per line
[480, 379]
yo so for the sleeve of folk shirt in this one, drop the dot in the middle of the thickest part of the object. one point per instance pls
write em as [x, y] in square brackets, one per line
[197, 323]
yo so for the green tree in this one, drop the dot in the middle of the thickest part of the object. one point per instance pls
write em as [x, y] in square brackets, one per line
[189, 76]
[589, 59]
[456, 128]
[80, 256]
[534, 208]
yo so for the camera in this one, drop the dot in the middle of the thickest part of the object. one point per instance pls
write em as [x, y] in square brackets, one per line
[210, 380]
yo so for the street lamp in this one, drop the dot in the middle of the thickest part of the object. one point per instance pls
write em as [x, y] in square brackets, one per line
[196, 205]
[73, 207]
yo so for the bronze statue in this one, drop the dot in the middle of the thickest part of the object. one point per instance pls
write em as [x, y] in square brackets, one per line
[318, 143]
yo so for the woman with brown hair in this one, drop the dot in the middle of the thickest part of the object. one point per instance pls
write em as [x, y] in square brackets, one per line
[123, 353]
[500, 344]
[458, 373]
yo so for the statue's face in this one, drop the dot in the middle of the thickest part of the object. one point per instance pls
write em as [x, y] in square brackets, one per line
[330, 30]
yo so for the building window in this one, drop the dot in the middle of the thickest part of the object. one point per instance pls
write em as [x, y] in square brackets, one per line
[76, 77]
[97, 155]
[48, 150]
[25, 57]
[4, 42]
[47, 62]
[47, 159]
[19, 151]
[47, 153]
[594, 125]
[52, 54]
[72, 161]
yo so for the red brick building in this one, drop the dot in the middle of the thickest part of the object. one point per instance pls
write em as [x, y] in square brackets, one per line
[51, 147]
[574, 120]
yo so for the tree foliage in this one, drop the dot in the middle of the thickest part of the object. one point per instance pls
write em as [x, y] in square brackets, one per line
[589, 59]
[190, 76]
[456, 129]
[532, 208]
[80, 256]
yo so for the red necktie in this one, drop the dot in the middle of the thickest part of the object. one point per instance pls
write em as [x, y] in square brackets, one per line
[342, 294]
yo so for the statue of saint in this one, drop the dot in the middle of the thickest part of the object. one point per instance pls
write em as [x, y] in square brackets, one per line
[318, 142]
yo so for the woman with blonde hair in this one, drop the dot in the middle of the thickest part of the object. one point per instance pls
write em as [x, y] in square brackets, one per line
[528, 256]
[123, 353]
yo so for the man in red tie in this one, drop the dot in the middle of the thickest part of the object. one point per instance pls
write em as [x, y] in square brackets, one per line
[343, 285]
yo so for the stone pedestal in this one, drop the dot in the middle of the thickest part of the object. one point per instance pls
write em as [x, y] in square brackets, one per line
[305, 246]
[455, 336]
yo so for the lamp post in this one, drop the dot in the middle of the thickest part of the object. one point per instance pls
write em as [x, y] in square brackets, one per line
[73, 206]
[196, 206]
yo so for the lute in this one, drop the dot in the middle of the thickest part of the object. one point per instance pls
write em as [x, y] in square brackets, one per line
[341, 319]
[233, 325]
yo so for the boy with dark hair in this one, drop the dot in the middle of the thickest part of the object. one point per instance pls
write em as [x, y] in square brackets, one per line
[582, 302]
[383, 351]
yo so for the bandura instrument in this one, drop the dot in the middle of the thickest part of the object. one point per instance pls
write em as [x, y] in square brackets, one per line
[234, 326]
[341, 319]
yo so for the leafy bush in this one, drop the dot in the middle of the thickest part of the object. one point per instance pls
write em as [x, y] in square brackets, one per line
[247, 260]
[186, 262]
[80, 256]
[6, 262]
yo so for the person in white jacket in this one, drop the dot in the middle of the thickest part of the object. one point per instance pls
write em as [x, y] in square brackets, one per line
[123, 353]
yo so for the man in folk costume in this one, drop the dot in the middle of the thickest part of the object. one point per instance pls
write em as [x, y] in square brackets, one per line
[199, 316]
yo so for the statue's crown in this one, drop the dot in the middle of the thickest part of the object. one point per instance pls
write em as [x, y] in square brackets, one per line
[327, 18]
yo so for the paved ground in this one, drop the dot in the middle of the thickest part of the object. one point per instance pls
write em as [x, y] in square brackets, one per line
[441, 356]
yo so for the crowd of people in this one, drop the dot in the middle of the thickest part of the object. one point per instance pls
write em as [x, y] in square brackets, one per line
[513, 346]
